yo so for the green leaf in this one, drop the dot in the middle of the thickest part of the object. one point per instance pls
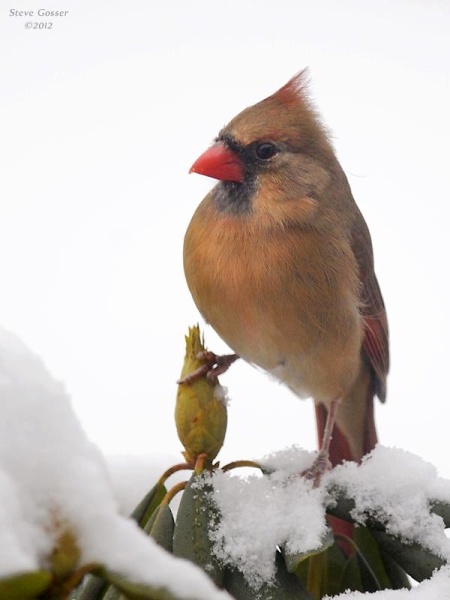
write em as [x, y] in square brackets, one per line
[373, 572]
[25, 586]
[144, 510]
[161, 526]
[112, 593]
[418, 562]
[397, 576]
[317, 575]
[330, 573]
[284, 587]
[343, 505]
[442, 509]
[196, 516]
[293, 559]
[134, 591]
[336, 565]
[92, 588]
[351, 579]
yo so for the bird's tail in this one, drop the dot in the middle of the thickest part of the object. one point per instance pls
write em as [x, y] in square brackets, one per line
[354, 433]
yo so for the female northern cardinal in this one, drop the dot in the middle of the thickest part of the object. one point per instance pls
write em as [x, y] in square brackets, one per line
[278, 259]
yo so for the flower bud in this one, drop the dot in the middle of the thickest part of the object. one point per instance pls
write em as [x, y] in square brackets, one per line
[200, 412]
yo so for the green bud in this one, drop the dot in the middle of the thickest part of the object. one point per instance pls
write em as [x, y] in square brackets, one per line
[200, 412]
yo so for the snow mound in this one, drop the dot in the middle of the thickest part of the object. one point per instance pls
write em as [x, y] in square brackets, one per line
[260, 513]
[49, 468]
[395, 487]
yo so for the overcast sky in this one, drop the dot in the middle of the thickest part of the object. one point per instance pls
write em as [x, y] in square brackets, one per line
[102, 116]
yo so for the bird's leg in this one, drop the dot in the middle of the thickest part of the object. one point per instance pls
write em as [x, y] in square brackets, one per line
[322, 463]
[214, 366]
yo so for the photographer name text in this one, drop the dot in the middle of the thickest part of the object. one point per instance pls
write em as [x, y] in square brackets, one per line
[42, 12]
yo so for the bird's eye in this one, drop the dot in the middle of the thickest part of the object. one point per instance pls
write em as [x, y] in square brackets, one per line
[266, 150]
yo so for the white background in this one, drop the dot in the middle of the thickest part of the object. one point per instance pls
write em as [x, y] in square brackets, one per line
[101, 118]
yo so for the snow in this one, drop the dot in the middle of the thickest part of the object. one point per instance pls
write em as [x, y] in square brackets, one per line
[395, 487]
[281, 509]
[261, 513]
[133, 475]
[221, 393]
[436, 588]
[50, 470]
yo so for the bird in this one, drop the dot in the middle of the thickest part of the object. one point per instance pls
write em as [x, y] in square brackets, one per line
[279, 261]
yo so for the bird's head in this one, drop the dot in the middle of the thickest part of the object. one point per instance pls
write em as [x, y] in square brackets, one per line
[275, 151]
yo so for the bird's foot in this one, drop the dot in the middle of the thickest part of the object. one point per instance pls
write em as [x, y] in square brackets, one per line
[322, 463]
[317, 470]
[214, 366]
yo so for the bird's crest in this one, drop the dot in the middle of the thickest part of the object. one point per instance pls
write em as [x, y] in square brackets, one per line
[294, 89]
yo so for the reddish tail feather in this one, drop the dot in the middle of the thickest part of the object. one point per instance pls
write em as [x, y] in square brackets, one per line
[339, 452]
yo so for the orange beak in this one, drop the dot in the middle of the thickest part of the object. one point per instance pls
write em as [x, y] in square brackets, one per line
[221, 163]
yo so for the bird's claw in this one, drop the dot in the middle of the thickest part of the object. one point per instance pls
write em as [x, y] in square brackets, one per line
[214, 366]
[319, 467]
[218, 364]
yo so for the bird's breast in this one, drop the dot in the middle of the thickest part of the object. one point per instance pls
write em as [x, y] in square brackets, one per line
[277, 298]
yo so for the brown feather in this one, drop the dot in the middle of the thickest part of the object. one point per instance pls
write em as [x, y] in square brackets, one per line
[376, 332]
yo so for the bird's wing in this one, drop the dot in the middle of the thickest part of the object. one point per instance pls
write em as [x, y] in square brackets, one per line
[376, 334]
